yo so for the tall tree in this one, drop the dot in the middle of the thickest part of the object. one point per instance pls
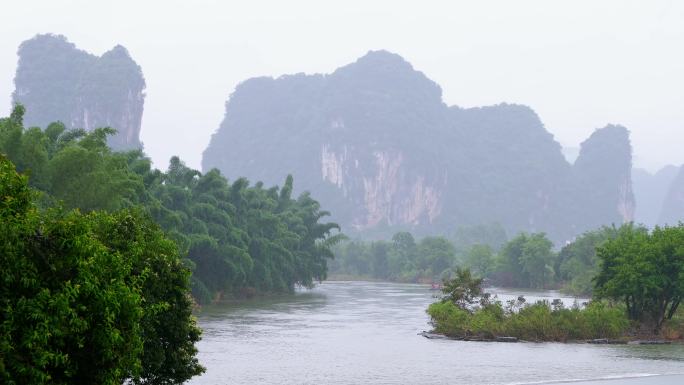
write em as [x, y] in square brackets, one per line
[95, 298]
[645, 270]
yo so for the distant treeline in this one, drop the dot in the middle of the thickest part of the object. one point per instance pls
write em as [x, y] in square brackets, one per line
[237, 238]
[525, 261]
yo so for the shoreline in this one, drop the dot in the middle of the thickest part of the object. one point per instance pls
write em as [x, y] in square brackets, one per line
[356, 278]
[645, 379]
[432, 335]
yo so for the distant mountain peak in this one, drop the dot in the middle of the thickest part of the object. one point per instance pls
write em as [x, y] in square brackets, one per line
[672, 211]
[378, 147]
[47, 38]
[118, 50]
[57, 81]
[380, 58]
[387, 73]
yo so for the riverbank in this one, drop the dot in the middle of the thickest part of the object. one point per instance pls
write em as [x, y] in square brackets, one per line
[355, 278]
[656, 379]
[509, 339]
[597, 322]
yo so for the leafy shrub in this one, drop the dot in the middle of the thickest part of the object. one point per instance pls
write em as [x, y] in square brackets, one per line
[540, 321]
[466, 310]
[448, 319]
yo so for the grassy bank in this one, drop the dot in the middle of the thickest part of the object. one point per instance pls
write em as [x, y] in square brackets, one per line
[467, 311]
[541, 321]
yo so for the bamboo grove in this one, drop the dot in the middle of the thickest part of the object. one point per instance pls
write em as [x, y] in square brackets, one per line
[238, 239]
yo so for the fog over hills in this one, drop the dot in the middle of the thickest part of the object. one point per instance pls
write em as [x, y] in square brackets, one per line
[650, 190]
[380, 149]
[57, 81]
[375, 141]
[341, 192]
[672, 211]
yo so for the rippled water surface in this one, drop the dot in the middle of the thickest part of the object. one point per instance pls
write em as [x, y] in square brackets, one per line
[366, 333]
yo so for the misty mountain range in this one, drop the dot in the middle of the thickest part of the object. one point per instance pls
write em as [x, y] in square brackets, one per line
[375, 144]
[57, 81]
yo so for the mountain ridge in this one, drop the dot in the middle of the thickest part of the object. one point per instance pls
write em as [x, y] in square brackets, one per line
[377, 144]
[56, 81]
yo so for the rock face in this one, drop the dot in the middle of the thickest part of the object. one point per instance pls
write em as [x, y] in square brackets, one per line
[603, 178]
[672, 211]
[57, 81]
[377, 146]
[650, 191]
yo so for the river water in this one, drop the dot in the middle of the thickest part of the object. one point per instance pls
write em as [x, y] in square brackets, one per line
[366, 333]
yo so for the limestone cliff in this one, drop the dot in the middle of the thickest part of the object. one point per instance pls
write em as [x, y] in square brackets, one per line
[57, 81]
[650, 191]
[603, 178]
[672, 211]
[377, 146]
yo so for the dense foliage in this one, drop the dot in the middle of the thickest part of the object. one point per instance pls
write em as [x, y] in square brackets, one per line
[465, 311]
[525, 261]
[238, 239]
[242, 239]
[540, 321]
[639, 270]
[577, 264]
[403, 259]
[645, 271]
[92, 298]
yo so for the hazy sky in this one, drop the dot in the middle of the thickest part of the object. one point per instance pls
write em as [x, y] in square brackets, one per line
[578, 64]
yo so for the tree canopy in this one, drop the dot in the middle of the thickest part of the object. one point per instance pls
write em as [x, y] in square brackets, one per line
[645, 270]
[402, 259]
[237, 238]
[89, 298]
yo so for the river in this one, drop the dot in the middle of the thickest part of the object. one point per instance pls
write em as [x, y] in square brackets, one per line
[366, 333]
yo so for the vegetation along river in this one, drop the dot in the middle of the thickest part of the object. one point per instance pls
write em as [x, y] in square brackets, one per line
[367, 332]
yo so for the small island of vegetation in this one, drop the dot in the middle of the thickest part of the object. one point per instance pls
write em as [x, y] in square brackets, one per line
[637, 293]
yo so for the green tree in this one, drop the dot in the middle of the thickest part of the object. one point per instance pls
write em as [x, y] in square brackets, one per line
[400, 260]
[96, 298]
[403, 258]
[380, 254]
[168, 328]
[435, 255]
[480, 259]
[577, 263]
[238, 238]
[71, 309]
[645, 271]
[463, 290]
[509, 263]
[72, 166]
[537, 260]
[526, 261]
